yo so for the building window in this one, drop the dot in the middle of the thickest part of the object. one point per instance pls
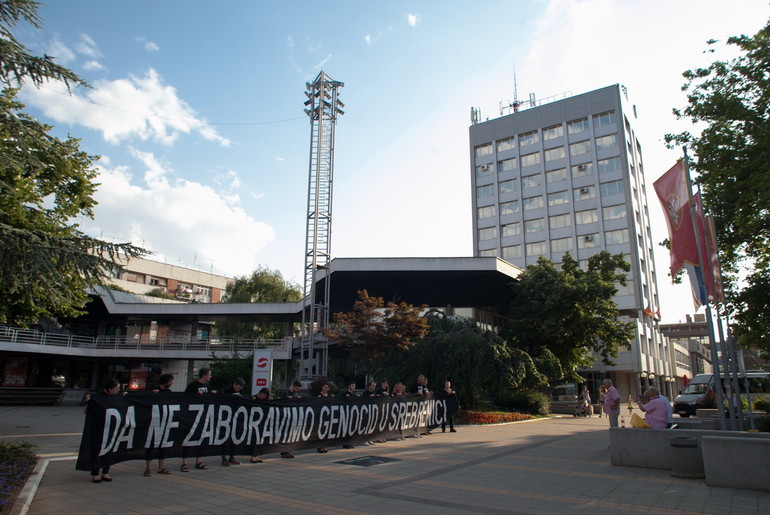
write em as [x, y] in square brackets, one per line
[484, 170]
[604, 119]
[506, 165]
[488, 253]
[561, 244]
[486, 212]
[506, 144]
[512, 252]
[587, 241]
[611, 188]
[536, 225]
[556, 175]
[509, 208]
[608, 165]
[606, 142]
[536, 249]
[533, 203]
[485, 191]
[581, 147]
[507, 186]
[513, 229]
[488, 233]
[552, 154]
[614, 212]
[616, 237]
[584, 193]
[582, 170]
[586, 217]
[483, 150]
[530, 181]
[530, 159]
[558, 198]
[528, 138]
[557, 131]
[559, 221]
[576, 126]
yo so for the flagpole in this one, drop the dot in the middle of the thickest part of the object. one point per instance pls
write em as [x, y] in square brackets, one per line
[709, 320]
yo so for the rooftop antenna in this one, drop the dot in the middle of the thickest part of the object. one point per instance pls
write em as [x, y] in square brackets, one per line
[514, 106]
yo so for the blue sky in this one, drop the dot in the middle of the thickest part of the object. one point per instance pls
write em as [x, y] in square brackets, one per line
[196, 110]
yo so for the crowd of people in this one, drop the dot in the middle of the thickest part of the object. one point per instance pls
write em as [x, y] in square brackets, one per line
[100, 467]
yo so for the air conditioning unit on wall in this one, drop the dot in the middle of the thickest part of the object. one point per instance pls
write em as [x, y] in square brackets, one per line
[588, 237]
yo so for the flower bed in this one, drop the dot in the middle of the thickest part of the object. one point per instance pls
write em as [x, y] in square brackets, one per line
[17, 461]
[490, 417]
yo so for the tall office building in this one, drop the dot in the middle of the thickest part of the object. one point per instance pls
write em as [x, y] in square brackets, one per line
[568, 176]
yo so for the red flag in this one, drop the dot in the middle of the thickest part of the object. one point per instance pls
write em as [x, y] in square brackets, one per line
[712, 280]
[648, 311]
[674, 192]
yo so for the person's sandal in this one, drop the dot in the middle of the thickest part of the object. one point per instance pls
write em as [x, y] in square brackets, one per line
[255, 459]
[164, 471]
[286, 455]
[201, 465]
[147, 473]
[185, 468]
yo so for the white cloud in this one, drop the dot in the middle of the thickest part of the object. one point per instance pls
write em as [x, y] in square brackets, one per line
[58, 49]
[290, 42]
[280, 159]
[93, 65]
[150, 46]
[368, 39]
[412, 19]
[176, 218]
[155, 110]
[323, 62]
[87, 47]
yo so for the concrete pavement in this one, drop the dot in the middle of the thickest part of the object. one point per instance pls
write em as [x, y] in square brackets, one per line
[545, 466]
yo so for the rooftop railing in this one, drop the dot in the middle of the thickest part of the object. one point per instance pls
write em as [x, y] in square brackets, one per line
[33, 336]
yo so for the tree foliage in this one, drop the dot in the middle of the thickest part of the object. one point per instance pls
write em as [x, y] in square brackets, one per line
[263, 285]
[479, 363]
[376, 328]
[730, 100]
[17, 65]
[46, 263]
[560, 317]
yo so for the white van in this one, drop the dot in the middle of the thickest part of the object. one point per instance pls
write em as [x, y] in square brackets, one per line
[698, 391]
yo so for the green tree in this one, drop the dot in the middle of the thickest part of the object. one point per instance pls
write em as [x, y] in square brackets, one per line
[263, 285]
[376, 328]
[479, 363]
[730, 103]
[561, 317]
[46, 263]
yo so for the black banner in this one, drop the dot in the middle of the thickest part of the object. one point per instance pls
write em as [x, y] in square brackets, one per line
[121, 428]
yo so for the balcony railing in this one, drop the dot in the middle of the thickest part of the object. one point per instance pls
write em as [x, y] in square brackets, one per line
[35, 337]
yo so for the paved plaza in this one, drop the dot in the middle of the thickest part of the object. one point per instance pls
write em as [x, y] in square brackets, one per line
[558, 465]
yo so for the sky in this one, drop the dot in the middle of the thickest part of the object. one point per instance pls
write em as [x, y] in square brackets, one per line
[196, 109]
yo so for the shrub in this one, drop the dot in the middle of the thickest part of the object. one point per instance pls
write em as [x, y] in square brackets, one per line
[535, 403]
[17, 461]
[490, 417]
[762, 403]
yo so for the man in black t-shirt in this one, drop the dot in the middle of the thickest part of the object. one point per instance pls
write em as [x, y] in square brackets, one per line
[201, 387]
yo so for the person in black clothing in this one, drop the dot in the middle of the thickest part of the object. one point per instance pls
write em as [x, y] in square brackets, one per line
[349, 392]
[325, 389]
[111, 387]
[371, 389]
[421, 387]
[447, 392]
[201, 387]
[384, 389]
[234, 389]
[292, 393]
[164, 388]
[262, 395]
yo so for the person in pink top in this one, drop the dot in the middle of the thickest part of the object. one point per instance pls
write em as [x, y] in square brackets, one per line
[656, 410]
[611, 403]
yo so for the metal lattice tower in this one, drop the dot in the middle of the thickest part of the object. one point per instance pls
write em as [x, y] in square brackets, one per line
[322, 108]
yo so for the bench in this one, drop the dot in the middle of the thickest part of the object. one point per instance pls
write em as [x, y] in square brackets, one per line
[731, 462]
[21, 396]
[651, 448]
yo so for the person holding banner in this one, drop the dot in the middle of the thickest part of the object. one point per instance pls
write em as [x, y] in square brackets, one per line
[201, 387]
[349, 392]
[262, 395]
[292, 393]
[384, 389]
[235, 389]
[448, 392]
[164, 388]
[111, 387]
[324, 395]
